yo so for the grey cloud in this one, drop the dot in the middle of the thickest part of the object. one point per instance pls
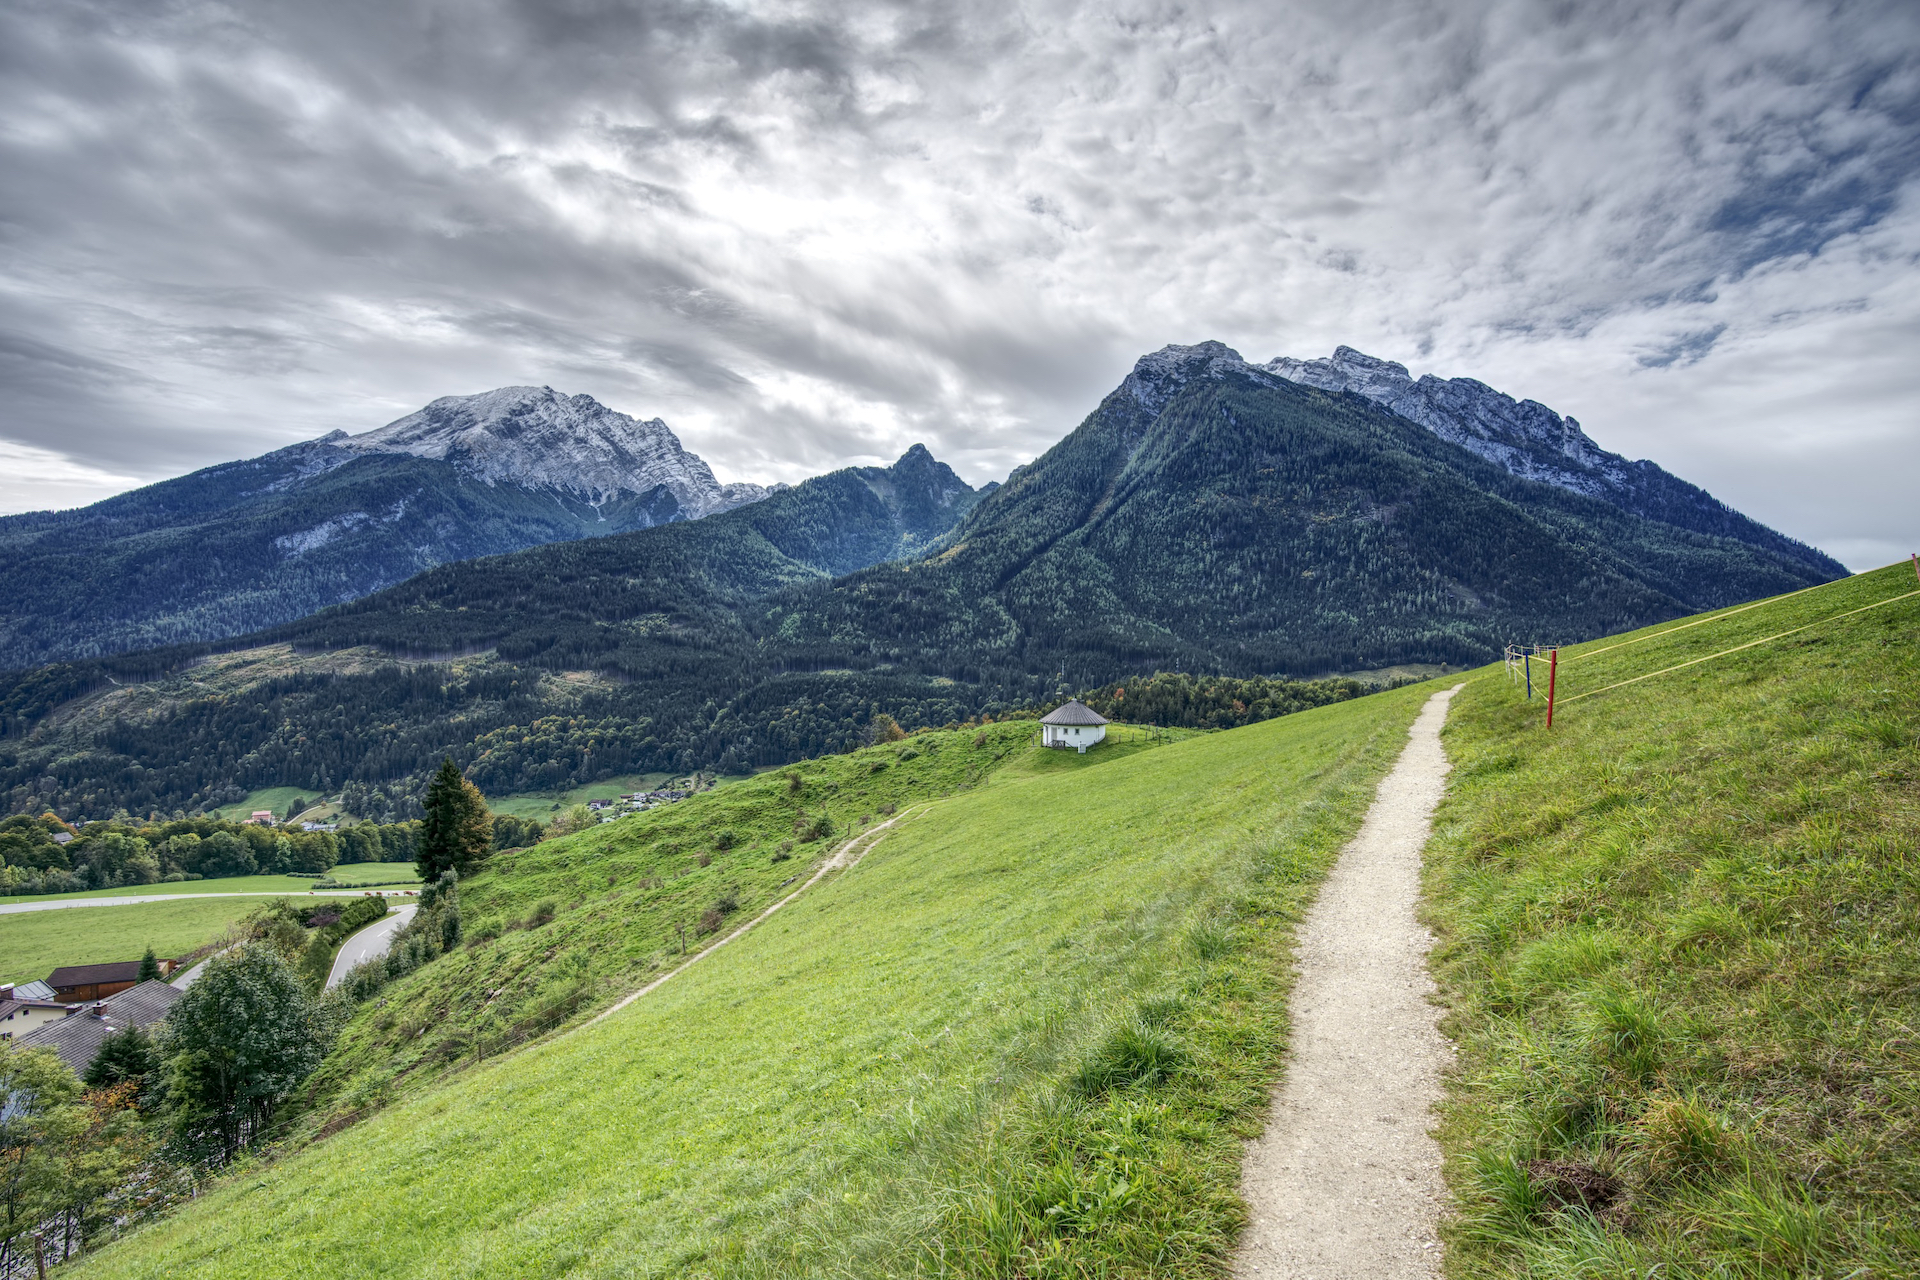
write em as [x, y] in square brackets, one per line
[817, 236]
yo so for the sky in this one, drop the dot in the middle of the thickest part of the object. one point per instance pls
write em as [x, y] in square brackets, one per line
[809, 234]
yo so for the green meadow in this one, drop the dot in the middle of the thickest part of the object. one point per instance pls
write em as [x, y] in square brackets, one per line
[544, 806]
[1677, 938]
[358, 873]
[35, 943]
[1026, 1034]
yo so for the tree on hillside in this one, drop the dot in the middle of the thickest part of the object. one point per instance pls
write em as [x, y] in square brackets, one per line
[234, 1046]
[149, 967]
[457, 831]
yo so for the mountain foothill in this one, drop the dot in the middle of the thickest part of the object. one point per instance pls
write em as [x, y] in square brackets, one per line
[552, 592]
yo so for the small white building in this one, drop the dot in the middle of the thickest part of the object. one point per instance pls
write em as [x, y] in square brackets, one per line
[1073, 724]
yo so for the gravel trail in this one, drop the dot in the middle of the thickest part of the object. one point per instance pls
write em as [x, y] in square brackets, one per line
[1345, 1182]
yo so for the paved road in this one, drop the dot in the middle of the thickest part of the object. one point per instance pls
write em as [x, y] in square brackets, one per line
[190, 976]
[374, 940]
[183, 897]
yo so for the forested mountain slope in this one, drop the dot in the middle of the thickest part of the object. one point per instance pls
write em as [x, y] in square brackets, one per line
[527, 708]
[233, 548]
[1210, 516]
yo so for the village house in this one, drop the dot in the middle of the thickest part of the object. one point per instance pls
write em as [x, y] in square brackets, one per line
[76, 983]
[1073, 724]
[21, 1012]
[77, 1039]
[263, 817]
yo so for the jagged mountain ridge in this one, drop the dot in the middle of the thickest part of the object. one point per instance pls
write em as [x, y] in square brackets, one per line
[1530, 440]
[235, 547]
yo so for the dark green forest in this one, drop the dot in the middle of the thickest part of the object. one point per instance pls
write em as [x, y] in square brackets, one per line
[1236, 526]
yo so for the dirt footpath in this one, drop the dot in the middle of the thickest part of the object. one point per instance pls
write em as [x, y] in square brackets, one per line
[1345, 1182]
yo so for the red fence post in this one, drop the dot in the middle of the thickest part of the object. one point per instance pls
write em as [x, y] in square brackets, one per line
[1553, 669]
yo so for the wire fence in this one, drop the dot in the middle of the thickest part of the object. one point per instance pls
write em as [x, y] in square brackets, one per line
[1519, 659]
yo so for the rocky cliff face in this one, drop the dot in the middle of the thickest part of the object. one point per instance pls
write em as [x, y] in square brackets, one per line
[1523, 436]
[1530, 440]
[540, 439]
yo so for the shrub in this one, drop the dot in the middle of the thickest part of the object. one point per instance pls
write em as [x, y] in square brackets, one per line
[705, 859]
[542, 913]
[724, 840]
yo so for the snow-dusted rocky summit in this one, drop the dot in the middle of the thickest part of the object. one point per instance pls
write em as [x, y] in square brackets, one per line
[1523, 437]
[537, 438]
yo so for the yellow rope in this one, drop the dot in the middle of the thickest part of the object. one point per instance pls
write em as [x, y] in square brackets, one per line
[1698, 622]
[1737, 648]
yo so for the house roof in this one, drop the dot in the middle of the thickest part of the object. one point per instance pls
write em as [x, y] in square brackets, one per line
[87, 975]
[1073, 711]
[77, 1039]
[33, 991]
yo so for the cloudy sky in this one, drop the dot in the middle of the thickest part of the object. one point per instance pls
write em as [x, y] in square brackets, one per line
[810, 234]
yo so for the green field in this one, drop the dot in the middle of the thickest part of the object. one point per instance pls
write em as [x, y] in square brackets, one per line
[274, 798]
[544, 805]
[1678, 941]
[35, 943]
[1026, 1035]
[355, 873]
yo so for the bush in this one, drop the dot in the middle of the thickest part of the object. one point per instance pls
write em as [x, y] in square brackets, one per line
[542, 913]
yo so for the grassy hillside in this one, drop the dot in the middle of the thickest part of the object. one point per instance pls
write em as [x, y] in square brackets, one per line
[1024, 1035]
[35, 943]
[1678, 939]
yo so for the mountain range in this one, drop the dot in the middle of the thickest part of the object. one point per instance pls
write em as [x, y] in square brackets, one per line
[244, 545]
[1210, 515]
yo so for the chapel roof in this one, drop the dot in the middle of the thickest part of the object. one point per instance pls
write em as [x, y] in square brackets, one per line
[1072, 712]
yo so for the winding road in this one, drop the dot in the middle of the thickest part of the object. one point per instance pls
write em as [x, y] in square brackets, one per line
[372, 941]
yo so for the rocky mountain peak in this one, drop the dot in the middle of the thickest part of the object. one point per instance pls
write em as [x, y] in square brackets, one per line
[541, 438]
[1159, 377]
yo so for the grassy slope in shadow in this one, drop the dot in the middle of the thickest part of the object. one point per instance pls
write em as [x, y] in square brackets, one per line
[1027, 1033]
[1678, 937]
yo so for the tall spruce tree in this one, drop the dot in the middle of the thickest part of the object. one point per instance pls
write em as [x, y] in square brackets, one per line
[457, 831]
[149, 967]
